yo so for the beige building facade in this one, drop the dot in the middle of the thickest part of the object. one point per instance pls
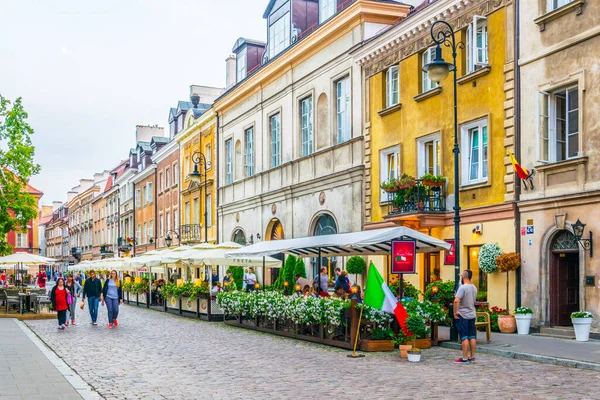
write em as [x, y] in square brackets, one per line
[560, 80]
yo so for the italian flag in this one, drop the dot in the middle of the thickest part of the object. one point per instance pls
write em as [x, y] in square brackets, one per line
[379, 296]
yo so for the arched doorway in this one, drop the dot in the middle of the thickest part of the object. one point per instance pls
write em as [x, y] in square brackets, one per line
[564, 278]
[275, 232]
[239, 237]
[324, 224]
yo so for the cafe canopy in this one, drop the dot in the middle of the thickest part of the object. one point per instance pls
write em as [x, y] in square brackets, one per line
[363, 243]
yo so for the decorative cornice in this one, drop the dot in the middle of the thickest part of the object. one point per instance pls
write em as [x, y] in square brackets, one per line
[408, 38]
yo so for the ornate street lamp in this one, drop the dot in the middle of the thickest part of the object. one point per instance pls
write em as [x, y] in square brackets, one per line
[437, 71]
[578, 228]
[169, 239]
[196, 176]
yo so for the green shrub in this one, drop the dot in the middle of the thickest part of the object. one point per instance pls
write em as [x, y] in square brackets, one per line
[300, 268]
[238, 276]
[356, 265]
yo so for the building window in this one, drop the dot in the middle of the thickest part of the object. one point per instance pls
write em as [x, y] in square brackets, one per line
[168, 176]
[161, 182]
[22, 240]
[144, 238]
[149, 193]
[477, 44]
[475, 154]
[554, 4]
[427, 57]
[208, 156]
[343, 109]
[240, 61]
[176, 174]
[279, 35]
[187, 213]
[175, 219]
[196, 211]
[429, 155]
[389, 160]
[275, 124]
[249, 136]
[208, 207]
[326, 9]
[558, 124]
[228, 162]
[392, 92]
[150, 230]
[186, 167]
[168, 222]
[306, 122]
[137, 198]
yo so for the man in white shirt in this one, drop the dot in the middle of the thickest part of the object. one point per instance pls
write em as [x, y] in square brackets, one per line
[250, 279]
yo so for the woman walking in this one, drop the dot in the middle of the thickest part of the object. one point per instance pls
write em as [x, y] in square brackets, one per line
[75, 289]
[112, 295]
[59, 296]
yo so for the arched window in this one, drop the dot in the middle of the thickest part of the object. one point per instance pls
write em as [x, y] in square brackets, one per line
[239, 237]
[325, 225]
[565, 240]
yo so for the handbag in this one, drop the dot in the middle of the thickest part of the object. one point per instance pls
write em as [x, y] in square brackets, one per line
[69, 299]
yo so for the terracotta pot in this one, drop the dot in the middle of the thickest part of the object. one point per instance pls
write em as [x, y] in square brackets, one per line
[507, 323]
[403, 350]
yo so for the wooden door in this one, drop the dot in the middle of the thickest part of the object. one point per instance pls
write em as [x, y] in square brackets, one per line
[564, 288]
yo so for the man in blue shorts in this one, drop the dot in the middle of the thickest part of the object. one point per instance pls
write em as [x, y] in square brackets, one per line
[464, 314]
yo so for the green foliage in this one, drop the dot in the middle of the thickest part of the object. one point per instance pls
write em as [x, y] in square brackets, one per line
[416, 325]
[300, 268]
[488, 254]
[408, 290]
[382, 334]
[356, 265]
[445, 295]
[186, 290]
[494, 311]
[17, 207]
[287, 272]
[238, 276]
[523, 311]
[427, 310]
[137, 288]
[127, 286]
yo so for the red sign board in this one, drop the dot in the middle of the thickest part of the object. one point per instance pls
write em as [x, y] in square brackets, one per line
[143, 269]
[404, 258]
[449, 256]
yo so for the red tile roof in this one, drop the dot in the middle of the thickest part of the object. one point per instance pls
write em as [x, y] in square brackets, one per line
[45, 220]
[30, 189]
[109, 183]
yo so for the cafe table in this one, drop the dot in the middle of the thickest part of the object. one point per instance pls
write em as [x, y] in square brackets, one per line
[25, 302]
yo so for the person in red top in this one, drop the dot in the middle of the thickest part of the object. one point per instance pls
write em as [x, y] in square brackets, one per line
[41, 279]
[3, 278]
[59, 298]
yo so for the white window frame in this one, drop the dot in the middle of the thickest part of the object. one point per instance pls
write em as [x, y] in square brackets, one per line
[426, 57]
[423, 155]
[228, 161]
[343, 109]
[556, 4]
[138, 198]
[241, 65]
[168, 178]
[327, 9]
[186, 216]
[196, 206]
[383, 169]
[21, 240]
[250, 149]
[208, 156]
[392, 86]
[279, 35]
[477, 52]
[550, 124]
[466, 152]
[275, 136]
[208, 207]
[306, 125]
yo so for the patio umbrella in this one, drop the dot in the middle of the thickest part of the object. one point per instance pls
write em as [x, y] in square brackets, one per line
[25, 258]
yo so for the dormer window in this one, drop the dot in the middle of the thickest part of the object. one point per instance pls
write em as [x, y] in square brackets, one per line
[279, 35]
[241, 64]
[326, 9]
[131, 159]
[137, 157]
[143, 162]
[172, 129]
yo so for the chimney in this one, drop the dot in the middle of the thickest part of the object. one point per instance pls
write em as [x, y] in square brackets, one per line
[71, 195]
[56, 205]
[205, 94]
[144, 133]
[230, 79]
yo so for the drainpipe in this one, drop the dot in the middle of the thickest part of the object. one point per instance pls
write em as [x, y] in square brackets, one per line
[217, 181]
[517, 124]
[119, 221]
[134, 231]
[155, 194]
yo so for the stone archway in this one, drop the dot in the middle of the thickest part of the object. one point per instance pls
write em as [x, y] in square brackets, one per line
[324, 223]
[238, 236]
[274, 230]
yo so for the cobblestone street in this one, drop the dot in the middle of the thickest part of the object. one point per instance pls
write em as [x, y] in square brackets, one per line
[152, 355]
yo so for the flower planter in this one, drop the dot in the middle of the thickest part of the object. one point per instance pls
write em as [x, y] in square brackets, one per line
[423, 344]
[582, 328]
[173, 302]
[142, 298]
[507, 323]
[414, 356]
[188, 305]
[523, 323]
[404, 349]
[376, 345]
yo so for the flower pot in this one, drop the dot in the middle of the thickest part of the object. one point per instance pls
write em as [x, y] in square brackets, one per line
[376, 345]
[507, 323]
[403, 350]
[414, 356]
[423, 343]
[523, 323]
[582, 328]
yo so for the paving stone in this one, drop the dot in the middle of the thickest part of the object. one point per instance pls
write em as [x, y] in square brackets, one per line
[154, 355]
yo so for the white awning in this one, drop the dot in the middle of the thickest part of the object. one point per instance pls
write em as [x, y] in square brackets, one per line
[364, 243]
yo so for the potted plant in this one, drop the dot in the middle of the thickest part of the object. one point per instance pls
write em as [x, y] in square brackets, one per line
[418, 329]
[508, 262]
[403, 343]
[428, 180]
[381, 340]
[439, 180]
[582, 321]
[356, 265]
[523, 316]
[390, 186]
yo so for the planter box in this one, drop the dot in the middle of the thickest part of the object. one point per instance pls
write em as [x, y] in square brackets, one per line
[189, 305]
[376, 345]
[142, 298]
[173, 302]
[423, 343]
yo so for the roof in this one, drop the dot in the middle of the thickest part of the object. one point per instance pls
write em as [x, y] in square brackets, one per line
[202, 108]
[159, 139]
[109, 183]
[184, 105]
[45, 220]
[31, 190]
[145, 146]
[242, 41]
[363, 243]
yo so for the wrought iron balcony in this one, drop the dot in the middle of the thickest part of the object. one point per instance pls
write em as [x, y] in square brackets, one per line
[190, 233]
[76, 250]
[106, 249]
[417, 199]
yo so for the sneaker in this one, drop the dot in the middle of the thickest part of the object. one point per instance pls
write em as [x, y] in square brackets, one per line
[116, 323]
[94, 323]
[66, 323]
[110, 326]
[58, 327]
[472, 359]
[461, 361]
[62, 327]
[73, 322]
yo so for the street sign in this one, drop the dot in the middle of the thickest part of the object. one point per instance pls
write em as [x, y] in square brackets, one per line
[530, 230]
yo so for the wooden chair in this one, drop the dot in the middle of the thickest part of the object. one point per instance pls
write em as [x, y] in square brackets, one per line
[486, 322]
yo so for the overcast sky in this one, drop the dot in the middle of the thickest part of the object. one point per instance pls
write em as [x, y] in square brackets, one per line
[90, 71]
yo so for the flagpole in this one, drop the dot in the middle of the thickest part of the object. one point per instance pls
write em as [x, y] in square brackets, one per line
[354, 354]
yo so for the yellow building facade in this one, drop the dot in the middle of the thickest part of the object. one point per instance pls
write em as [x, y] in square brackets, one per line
[409, 131]
[198, 136]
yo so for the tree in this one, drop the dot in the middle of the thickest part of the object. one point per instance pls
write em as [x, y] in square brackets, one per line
[508, 262]
[238, 276]
[287, 273]
[17, 207]
[356, 265]
[300, 269]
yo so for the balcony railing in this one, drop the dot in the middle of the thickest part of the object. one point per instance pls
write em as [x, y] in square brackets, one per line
[106, 250]
[190, 233]
[417, 199]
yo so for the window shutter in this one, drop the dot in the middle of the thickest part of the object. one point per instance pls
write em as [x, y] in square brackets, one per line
[543, 131]
[469, 49]
[480, 55]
